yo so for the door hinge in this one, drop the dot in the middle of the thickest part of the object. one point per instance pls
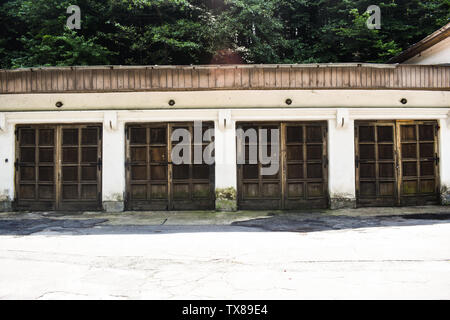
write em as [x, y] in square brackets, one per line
[16, 164]
[16, 133]
[436, 130]
[99, 164]
[357, 161]
[325, 161]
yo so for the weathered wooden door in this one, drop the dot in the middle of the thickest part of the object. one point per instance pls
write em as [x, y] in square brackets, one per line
[58, 167]
[257, 191]
[396, 162]
[301, 181]
[306, 165]
[376, 163]
[418, 162]
[154, 182]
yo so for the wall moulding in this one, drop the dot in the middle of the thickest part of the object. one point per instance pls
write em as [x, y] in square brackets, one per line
[113, 118]
[3, 122]
[226, 99]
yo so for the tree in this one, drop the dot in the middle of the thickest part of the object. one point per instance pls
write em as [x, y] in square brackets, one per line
[160, 32]
[134, 32]
[253, 28]
[39, 36]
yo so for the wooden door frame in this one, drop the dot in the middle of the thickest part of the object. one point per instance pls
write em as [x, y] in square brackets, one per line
[17, 163]
[324, 161]
[80, 126]
[376, 124]
[170, 202]
[282, 125]
[398, 168]
[147, 126]
[57, 162]
[240, 169]
[437, 180]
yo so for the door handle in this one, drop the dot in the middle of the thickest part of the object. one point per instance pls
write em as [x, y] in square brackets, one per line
[436, 158]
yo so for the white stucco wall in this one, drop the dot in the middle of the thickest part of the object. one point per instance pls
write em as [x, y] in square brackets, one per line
[225, 155]
[437, 54]
[113, 169]
[225, 99]
[326, 105]
[444, 146]
[7, 159]
[341, 155]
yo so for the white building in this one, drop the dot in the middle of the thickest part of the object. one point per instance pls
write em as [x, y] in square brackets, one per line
[93, 138]
[434, 49]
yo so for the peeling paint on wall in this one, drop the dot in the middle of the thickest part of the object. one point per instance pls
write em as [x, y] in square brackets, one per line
[4, 195]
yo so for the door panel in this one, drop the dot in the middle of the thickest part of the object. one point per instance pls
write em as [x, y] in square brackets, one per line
[419, 163]
[35, 168]
[147, 149]
[80, 167]
[301, 180]
[58, 167]
[257, 191]
[396, 163]
[376, 169]
[154, 182]
[306, 165]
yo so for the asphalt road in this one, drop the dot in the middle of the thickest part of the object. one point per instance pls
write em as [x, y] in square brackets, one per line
[380, 258]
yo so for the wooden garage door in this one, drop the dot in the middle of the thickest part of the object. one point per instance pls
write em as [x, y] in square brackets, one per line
[418, 169]
[257, 191]
[154, 182]
[306, 165]
[301, 181]
[396, 163]
[58, 167]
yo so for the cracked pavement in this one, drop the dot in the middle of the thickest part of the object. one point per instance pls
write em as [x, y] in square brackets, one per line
[365, 254]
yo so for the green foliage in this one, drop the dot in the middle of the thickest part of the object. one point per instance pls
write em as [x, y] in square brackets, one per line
[137, 32]
[66, 49]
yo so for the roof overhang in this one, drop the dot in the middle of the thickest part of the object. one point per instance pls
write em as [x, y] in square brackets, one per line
[422, 45]
[97, 79]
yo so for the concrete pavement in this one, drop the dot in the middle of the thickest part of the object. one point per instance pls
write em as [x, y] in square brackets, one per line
[365, 254]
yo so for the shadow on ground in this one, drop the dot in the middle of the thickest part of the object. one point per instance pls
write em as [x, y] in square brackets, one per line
[274, 222]
[323, 222]
[30, 226]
